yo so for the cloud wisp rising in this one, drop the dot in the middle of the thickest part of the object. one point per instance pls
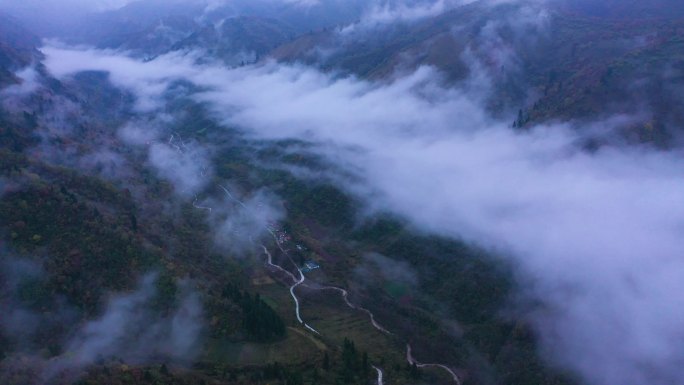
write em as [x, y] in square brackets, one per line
[129, 330]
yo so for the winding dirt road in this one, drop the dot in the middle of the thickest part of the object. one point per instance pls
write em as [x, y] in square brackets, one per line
[292, 289]
[195, 205]
[411, 360]
[269, 262]
[345, 296]
[380, 374]
[297, 282]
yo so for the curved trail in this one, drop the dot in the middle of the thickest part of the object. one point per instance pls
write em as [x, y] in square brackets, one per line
[411, 360]
[299, 317]
[301, 280]
[269, 261]
[345, 296]
[232, 197]
[195, 205]
[380, 374]
[297, 282]
[343, 292]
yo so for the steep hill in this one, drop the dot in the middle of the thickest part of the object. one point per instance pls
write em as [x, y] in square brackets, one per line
[17, 49]
[238, 40]
[545, 62]
[626, 9]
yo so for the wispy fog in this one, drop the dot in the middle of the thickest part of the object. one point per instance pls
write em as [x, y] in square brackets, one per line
[390, 270]
[28, 82]
[129, 328]
[182, 167]
[406, 11]
[184, 164]
[240, 222]
[20, 321]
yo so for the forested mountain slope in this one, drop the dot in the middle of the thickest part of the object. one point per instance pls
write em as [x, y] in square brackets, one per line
[552, 63]
[18, 48]
[343, 192]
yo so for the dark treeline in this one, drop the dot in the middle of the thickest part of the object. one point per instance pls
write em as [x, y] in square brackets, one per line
[355, 366]
[259, 321]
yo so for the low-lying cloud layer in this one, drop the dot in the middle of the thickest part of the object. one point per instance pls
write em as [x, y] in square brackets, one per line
[596, 236]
